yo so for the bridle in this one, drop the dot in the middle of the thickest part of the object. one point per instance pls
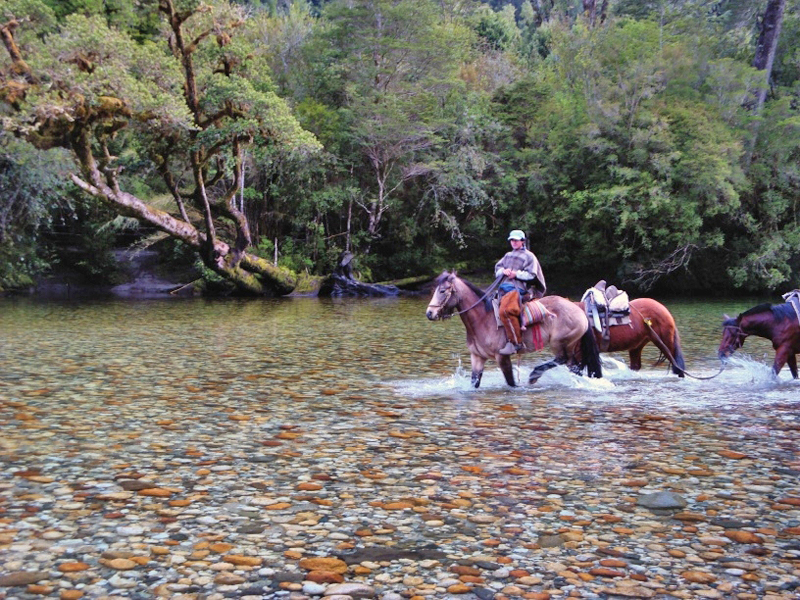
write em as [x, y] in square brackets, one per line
[444, 304]
[737, 336]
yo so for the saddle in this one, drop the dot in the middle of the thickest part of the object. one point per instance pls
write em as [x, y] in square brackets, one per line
[531, 314]
[793, 298]
[606, 306]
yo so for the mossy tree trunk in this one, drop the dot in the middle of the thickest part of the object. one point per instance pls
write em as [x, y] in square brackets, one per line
[189, 107]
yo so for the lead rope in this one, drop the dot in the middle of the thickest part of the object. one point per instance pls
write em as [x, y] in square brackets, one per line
[665, 351]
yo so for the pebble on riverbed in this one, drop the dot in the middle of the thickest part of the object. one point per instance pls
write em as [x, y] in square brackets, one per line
[343, 497]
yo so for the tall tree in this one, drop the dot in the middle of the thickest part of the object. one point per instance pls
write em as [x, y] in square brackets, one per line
[767, 45]
[400, 60]
[620, 164]
[186, 107]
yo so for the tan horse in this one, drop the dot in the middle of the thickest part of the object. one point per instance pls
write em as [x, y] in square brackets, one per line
[650, 322]
[565, 330]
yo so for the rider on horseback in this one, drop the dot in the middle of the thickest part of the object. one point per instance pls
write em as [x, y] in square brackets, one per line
[524, 282]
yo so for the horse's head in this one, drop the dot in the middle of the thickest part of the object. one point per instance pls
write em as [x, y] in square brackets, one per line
[444, 300]
[732, 337]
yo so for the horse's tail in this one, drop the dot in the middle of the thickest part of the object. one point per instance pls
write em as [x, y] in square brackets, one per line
[679, 366]
[590, 354]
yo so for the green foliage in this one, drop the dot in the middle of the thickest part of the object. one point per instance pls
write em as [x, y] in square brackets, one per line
[640, 164]
[765, 230]
[43, 224]
[38, 12]
[497, 29]
[144, 78]
[33, 185]
[627, 149]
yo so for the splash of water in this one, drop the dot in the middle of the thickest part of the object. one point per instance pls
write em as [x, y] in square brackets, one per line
[619, 386]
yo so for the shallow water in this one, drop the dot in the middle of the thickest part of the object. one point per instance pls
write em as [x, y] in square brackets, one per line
[178, 369]
[309, 347]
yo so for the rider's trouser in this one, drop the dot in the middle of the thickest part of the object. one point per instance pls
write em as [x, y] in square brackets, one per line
[510, 311]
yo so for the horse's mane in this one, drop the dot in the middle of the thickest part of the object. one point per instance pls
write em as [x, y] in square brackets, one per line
[487, 301]
[779, 311]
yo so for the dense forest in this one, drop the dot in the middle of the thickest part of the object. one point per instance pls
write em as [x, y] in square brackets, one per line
[655, 144]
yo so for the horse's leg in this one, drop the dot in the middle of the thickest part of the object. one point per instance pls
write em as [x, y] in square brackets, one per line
[504, 362]
[782, 355]
[791, 360]
[539, 370]
[635, 355]
[477, 369]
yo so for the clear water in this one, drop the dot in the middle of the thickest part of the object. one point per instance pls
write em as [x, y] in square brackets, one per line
[84, 386]
[237, 349]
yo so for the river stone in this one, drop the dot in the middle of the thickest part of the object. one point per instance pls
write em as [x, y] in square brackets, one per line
[313, 589]
[356, 590]
[631, 592]
[320, 563]
[550, 540]
[21, 578]
[662, 500]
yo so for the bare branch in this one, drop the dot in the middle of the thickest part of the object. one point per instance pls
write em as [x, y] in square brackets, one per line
[646, 277]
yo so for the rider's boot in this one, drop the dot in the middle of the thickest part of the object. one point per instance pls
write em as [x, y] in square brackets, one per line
[509, 348]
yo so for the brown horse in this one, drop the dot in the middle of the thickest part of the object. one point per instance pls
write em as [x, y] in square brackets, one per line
[650, 322]
[565, 330]
[775, 322]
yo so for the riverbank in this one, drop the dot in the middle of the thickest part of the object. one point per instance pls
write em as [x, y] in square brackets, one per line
[142, 275]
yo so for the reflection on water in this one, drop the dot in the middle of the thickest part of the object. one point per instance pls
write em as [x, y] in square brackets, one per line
[306, 348]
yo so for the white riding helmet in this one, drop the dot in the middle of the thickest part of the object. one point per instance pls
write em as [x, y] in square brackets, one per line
[517, 234]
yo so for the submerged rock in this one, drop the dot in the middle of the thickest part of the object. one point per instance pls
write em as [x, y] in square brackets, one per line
[662, 501]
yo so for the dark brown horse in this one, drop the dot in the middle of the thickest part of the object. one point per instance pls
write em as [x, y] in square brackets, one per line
[565, 330]
[650, 322]
[775, 322]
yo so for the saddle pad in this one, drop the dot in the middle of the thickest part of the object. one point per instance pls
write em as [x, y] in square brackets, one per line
[533, 312]
[613, 300]
[793, 298]
[619, 303]
[611, 319]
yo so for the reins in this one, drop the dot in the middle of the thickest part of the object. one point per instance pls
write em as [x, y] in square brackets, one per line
[486, 293]
[665, 350]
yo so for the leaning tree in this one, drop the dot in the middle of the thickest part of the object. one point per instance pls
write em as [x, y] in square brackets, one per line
[184, 106]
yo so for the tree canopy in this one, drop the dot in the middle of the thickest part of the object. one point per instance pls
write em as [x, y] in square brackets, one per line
[653, 144]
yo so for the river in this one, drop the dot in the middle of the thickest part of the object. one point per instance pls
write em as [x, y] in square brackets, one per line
[306, 345]
[230, 405]
[358, 343]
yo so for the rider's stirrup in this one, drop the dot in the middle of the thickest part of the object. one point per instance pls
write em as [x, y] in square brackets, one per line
[509, 348]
